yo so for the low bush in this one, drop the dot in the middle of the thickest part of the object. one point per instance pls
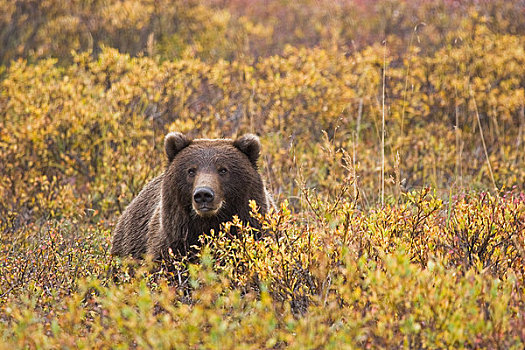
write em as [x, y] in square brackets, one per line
[399, 277]
[424, 248]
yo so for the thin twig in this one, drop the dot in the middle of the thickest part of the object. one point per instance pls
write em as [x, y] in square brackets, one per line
[406, 77]
[483, 140]
[356, 144]
[383, 132]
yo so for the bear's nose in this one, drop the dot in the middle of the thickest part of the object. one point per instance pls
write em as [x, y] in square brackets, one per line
[203, 195]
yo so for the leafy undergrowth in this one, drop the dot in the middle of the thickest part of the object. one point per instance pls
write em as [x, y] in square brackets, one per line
[431, 267]
[424, 273]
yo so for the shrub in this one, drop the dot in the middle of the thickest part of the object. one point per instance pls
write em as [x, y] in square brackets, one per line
[439, 264]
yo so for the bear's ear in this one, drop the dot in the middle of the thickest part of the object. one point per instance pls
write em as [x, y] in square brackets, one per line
[250, 145]
[174, 142]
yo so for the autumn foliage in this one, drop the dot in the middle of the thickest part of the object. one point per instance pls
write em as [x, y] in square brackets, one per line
[89, 90]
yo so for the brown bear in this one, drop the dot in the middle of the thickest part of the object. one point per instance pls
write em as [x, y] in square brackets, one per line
[206, 182]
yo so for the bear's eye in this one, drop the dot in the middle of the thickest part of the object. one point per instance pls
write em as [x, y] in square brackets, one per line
[223, 171]
[191, 172]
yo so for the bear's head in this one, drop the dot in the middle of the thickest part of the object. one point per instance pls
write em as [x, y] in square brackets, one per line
[212, 179]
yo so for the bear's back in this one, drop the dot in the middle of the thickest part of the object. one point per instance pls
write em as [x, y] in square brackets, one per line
[130, 235]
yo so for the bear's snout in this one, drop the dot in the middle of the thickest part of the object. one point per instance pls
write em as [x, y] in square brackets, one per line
[203, 195]
[207, 196]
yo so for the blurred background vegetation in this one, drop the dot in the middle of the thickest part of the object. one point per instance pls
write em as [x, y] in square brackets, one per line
[89, 88]
[237, 29]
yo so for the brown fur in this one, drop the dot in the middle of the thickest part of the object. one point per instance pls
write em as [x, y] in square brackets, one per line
[167, 212]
